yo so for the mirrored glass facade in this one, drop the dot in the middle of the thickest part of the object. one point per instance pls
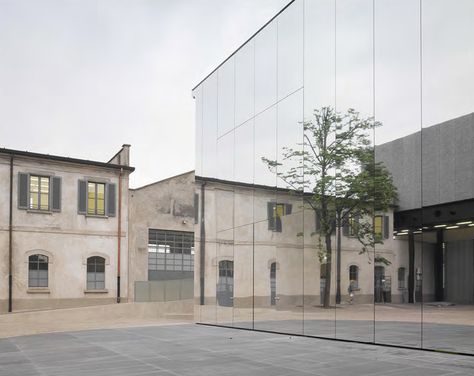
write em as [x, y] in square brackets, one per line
[334, 155]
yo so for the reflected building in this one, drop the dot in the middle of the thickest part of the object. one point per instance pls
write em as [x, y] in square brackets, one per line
[299, 231]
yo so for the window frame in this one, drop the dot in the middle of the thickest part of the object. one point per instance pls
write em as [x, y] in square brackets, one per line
[95, 212]
[95, 273]
[37, 269]
[39, 193]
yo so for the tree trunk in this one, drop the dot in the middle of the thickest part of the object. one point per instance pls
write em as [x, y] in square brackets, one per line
[327, 287]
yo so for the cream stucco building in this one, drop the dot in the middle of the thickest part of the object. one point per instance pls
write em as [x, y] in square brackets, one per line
[63, 230]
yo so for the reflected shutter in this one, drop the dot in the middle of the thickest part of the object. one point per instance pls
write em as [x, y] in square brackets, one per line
[22, 191]
[56, 193]
[82, 197]
[270, 216]
[111, 195]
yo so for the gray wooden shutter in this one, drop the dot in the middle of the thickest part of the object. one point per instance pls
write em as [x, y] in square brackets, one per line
[288, 208]
[271, 218]
[22, 191]
[82, 197]
[111, 195]
[56, 194]
[386, 222]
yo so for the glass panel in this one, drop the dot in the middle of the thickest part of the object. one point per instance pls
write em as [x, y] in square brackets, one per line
[353, 209]
[319, 84]
[198, 121]
[446, 268]
[290, 49]
[101, 199]
[243, 274]
[265, 147]
[91, 198]
[209, 123]
[225, 277]
[244, 83]
[226, 92]
[266, 68]
[397, 72]
[244, 152]
[225, 157]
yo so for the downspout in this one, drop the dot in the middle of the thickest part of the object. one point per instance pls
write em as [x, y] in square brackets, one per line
[10, 241]
[119, 232]
[202, 248]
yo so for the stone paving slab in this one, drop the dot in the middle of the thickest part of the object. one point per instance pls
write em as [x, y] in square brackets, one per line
[196, 350]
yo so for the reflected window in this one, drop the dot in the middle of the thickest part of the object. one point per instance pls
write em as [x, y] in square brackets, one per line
[401, 278]
[38, 271]
[95, 273]
[351, 225]
[354, 276]
[381, 227]
[95, 198]
[39, 192]
[275, 212]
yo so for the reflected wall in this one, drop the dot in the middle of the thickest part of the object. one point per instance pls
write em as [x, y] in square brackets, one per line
[334, 176]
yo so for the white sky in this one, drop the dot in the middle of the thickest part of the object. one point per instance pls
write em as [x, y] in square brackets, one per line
[79, 78]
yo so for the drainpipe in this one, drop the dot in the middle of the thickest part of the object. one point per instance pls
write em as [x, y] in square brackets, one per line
[10, 241]
[202, 247]
[119, 233]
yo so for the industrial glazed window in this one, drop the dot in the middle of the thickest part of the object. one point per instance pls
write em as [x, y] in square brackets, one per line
[170, 250]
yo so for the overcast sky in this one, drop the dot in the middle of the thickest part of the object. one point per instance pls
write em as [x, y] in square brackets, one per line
[81, 77]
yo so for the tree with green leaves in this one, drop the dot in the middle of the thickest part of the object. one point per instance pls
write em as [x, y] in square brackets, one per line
[336, 169]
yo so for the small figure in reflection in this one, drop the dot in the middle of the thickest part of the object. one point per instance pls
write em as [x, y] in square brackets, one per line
[350, 291]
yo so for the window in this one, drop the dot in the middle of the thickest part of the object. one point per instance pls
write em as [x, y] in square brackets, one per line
[39, 192]
[95, 198]
[95, 273]
[381, 228]
[38, 271]
[354, 276]
[401, 278]
[169, 252]
[275, 211]
[351, 225]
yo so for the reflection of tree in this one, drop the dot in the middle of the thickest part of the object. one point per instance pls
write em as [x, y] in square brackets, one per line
[347, 185]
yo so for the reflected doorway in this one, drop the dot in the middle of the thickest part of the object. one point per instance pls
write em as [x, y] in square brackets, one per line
[273, 284]
[225, 284]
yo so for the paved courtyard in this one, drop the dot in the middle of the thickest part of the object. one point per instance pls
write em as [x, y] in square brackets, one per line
[202, 350]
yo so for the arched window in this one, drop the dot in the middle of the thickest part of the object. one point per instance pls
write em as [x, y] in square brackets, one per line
[95, 273]
[38, 271]
[354, 276]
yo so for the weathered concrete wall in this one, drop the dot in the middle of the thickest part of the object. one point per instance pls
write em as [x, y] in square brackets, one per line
[439, 159]
[164, 205]
[66, 237]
